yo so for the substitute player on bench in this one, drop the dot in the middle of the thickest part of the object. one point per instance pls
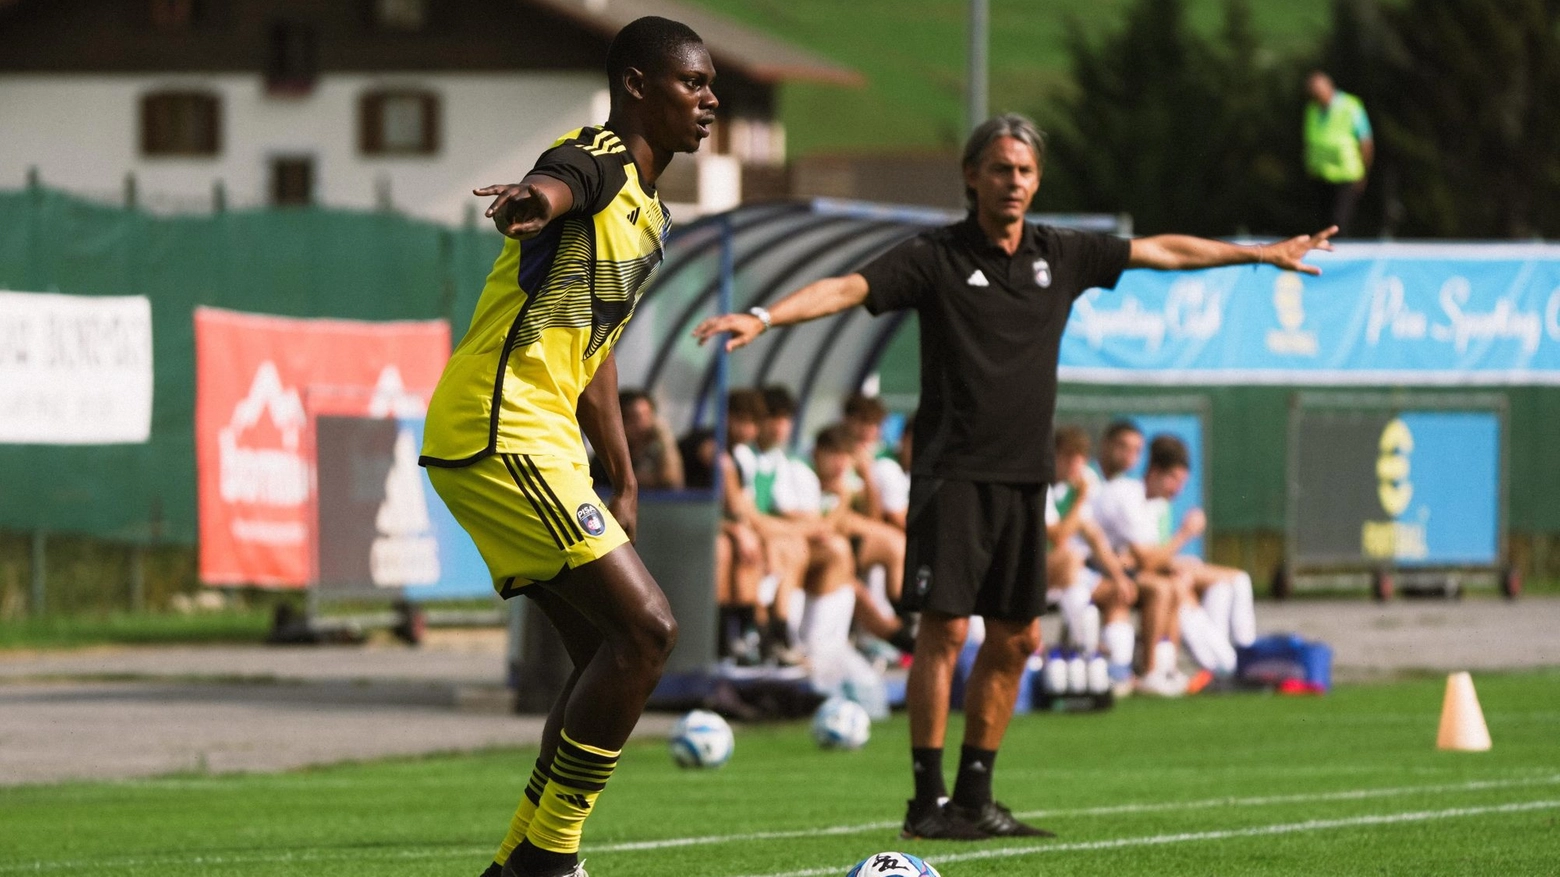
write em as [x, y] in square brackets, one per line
[994, 293]
[536, 367]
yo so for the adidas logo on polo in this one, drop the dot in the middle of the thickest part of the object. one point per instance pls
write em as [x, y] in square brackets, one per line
[978, 279]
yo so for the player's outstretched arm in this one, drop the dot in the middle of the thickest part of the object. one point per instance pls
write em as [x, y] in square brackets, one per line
[1178, 252]
[601, 419]
[817, 299]
[521, 210]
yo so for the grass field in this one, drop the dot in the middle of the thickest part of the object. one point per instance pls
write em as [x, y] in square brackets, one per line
[912, 55]
[1345, 784]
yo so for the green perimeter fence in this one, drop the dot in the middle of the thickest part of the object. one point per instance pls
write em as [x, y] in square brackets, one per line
[112, 527]
[90, 528]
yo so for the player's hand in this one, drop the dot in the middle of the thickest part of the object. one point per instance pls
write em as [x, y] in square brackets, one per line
[519, 210]
[1195, 523]
[1080, 486]
[743, 328]
[1290, 255]
[624, 506]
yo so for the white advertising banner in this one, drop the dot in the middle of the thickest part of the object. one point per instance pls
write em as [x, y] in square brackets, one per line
[75, 369]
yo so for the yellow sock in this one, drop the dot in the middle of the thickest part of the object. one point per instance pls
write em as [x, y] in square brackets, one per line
[524, 813]
[578, 774]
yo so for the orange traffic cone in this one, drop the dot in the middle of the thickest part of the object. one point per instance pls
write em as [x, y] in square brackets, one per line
[1462, 722]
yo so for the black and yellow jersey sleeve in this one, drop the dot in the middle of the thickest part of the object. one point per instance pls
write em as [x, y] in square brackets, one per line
[550, 312]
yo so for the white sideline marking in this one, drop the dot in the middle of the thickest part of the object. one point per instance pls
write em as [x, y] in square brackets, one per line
[325, 855]
[1161, 839]
[1111, 810]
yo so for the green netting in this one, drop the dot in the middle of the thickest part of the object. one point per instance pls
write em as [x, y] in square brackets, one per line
[304, 262]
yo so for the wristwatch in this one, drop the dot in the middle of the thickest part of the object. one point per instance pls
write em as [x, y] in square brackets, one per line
[762, 315]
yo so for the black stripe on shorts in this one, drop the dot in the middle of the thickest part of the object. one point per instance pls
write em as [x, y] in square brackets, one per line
[522, 482]
[570, 524]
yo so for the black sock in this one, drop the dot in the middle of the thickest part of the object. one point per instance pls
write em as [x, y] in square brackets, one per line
[972, 788]
[730, 627]
[530, 859]
[928, 772]
[745, 618]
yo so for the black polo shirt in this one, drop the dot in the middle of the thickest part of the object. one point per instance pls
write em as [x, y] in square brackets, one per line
[991, 334]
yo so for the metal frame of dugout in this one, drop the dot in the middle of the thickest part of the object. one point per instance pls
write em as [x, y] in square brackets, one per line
[753, 255]
[1334, 484]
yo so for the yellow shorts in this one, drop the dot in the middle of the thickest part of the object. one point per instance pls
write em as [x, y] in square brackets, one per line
[531, 517]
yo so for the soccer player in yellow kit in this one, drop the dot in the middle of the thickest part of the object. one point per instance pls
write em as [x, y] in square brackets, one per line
[502, 441]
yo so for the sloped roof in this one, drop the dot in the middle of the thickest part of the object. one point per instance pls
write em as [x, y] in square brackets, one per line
[758, 56]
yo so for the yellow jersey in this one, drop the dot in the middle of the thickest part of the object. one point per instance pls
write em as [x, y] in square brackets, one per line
[550, 313]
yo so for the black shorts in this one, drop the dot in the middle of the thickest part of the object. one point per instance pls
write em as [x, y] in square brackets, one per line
[975, 548]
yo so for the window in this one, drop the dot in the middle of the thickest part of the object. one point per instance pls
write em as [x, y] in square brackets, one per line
[292, 181]
[181, 123]
[402, 15]
[398, 123]
[292, 61]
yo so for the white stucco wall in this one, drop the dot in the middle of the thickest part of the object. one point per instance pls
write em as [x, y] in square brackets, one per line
[82, 133]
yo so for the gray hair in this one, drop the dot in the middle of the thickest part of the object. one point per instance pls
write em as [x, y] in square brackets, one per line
[1013, 125]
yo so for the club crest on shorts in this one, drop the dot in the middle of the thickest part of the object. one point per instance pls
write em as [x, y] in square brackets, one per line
[923, 580]
[1042, 272]
[591, 519]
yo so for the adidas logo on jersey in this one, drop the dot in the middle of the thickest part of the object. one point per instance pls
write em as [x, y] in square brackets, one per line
[633, 215]
[978, 279]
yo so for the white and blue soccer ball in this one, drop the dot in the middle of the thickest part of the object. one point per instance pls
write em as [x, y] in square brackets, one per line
[892, 865]
[841, 724]
[701, 739]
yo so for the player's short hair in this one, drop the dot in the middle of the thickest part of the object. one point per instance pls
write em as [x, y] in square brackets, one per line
[645, 44]
[1167, 452]
[779, 401]
[1117, 428]
[746, 403]
[1021, 128]
[860, 406]
[1071, 439]
[833, 439]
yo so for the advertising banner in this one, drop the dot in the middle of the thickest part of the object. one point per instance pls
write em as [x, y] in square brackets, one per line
[1412, 488]
[380, 523]
[1428, 314]
[258, 379]
[75, 369]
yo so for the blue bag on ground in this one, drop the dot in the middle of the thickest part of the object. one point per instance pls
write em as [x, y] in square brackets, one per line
[1275, 659]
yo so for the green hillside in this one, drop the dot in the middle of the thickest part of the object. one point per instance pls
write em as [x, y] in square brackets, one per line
[912, 53]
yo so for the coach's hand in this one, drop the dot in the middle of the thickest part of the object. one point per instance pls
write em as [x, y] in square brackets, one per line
[743, 328]
[1290, 254]
[519, 210]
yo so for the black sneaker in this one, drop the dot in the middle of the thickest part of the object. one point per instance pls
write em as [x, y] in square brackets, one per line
[931, 820]
[995, 820]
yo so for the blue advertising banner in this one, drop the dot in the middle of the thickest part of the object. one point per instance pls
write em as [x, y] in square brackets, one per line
[1412, 488]
[1412, 313]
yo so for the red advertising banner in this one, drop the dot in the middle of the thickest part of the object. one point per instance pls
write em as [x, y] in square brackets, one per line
[258, 382]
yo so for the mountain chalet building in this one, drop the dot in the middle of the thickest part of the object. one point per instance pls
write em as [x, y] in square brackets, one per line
[189, 105]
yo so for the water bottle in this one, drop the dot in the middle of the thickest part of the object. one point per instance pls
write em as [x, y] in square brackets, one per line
[1099, 674]
[1053, 676]
[1077, 674]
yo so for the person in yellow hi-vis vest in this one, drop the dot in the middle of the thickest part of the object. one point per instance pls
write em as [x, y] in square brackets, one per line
[1339, 149]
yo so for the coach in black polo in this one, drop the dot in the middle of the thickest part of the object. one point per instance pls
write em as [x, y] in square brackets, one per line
[994, 293]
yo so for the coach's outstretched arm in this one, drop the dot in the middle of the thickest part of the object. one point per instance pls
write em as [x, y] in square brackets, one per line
[817, 299]
[1179, 252]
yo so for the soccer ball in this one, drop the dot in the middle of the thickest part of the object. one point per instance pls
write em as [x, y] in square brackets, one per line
[841, 724]
[701, 739]
[892, 865]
